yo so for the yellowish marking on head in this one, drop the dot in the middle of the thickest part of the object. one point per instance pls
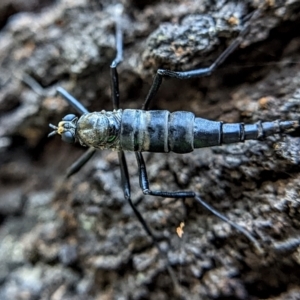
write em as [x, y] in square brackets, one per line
[61, 129]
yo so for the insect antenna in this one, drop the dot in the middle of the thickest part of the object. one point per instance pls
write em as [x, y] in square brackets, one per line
[54, 132]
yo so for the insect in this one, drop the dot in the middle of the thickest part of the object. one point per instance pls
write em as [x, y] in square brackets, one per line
[155, 131]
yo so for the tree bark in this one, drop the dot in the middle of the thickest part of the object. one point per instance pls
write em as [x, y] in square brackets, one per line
[78, 238]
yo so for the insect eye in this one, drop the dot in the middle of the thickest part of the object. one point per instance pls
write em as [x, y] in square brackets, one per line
[68, 137]
[69, 117]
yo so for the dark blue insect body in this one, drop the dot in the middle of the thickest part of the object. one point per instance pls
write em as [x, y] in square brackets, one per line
[143, 130]
[160, 130]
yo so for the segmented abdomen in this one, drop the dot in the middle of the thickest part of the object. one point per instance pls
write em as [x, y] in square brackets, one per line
[181, 132]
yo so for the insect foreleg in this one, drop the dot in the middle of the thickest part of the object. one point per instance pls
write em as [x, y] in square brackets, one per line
[72, 101]
[80, 162]
[84, 158]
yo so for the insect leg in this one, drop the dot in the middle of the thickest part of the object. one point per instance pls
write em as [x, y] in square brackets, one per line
[85, 157]
[144, 184]
[127, 194]
[80, 162]
[123, 164]
[72, 101]
[160, 73]
[114, 83]
[115, 95]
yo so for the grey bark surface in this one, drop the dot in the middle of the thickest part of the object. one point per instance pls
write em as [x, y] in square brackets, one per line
[78, 238]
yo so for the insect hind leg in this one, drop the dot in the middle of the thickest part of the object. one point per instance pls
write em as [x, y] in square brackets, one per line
[144, 184]
[161, 73]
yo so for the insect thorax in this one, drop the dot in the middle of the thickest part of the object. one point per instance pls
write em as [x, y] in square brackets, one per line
[100, 130]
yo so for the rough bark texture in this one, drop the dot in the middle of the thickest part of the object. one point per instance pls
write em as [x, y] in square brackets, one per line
[78, 238]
